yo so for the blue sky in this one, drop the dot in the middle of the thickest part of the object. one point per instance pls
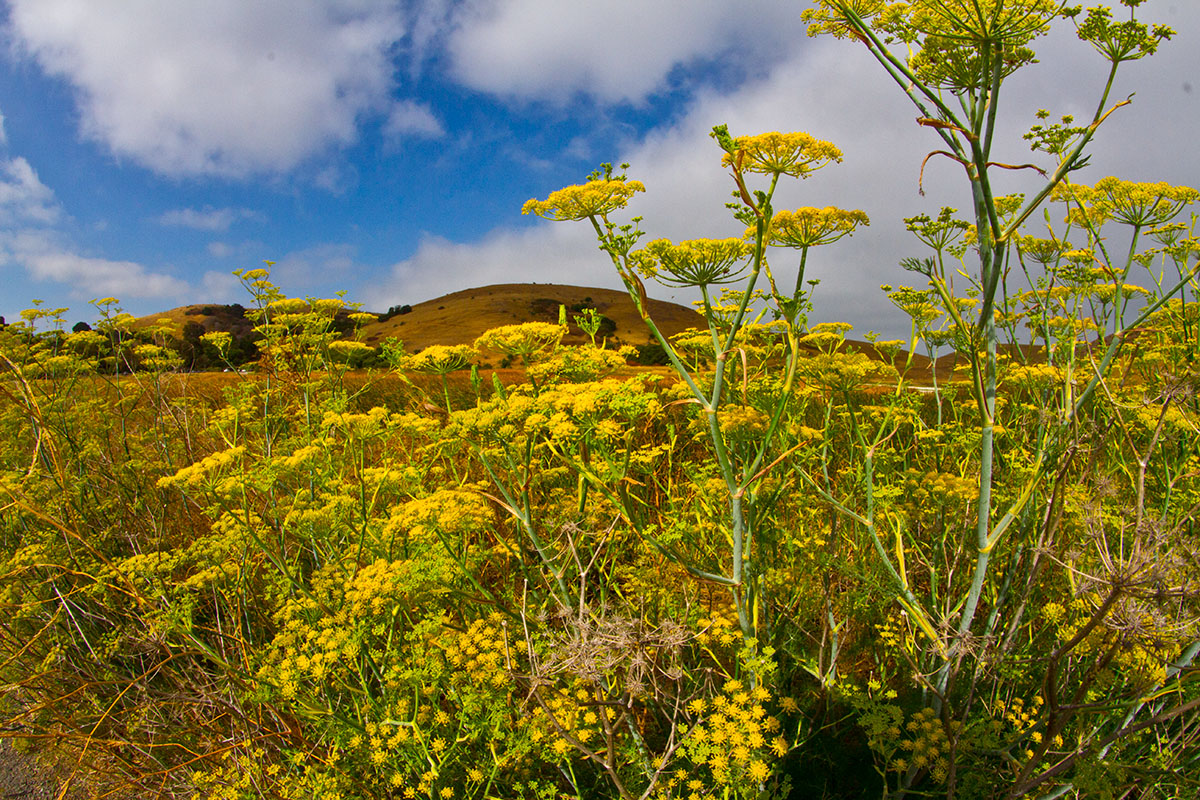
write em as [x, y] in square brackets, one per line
[385, 148]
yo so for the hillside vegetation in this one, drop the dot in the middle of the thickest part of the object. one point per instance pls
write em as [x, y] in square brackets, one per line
[770, 569]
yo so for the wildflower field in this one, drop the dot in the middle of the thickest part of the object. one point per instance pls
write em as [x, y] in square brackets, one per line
[780, 568]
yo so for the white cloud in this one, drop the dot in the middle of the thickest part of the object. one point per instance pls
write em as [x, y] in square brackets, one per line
[24, 198]
[3, 134]
[30, 238]
[336, 178]
[556, 253]
[205, 219]
[47, 259]
[618, 50]
[222, 87]
[301, 272]
[219, 249]
[408, 118]
[222, 287]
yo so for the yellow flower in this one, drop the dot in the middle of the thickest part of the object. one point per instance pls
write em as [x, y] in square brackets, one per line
[694, 262]
[810, 227]
[758, 770]
[592, 199]
[440, 359]
[796, 154]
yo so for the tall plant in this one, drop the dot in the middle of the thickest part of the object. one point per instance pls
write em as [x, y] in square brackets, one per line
[706, 264]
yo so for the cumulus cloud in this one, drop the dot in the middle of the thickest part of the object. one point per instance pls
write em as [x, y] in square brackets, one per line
[408, 118]
[219, 249]
[205, 219]
[46, 258]
[300, 273]
[222, 287]
[618, 50]
[223, 87]
[23, 197]
[558, 253]
[30, 238]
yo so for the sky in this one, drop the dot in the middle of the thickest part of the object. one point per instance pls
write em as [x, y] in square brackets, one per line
[384, 148]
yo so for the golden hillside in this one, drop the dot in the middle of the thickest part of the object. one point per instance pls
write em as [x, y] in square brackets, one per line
[460, 317]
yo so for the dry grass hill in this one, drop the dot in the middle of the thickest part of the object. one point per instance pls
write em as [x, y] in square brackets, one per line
[460, 317]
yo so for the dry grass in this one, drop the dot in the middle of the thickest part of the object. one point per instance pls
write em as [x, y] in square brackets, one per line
[460, 317]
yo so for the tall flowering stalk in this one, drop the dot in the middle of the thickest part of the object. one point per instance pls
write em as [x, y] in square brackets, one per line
[703, 264]
[951, 59]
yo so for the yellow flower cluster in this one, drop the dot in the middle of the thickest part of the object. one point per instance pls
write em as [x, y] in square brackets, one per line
[561, 412]
[1041, 251]
[745, 421]
[928, 744]
[1032, 376]
[481, 654]
[345, 349]
[719, 629]
[1134, 203]
[364, 426]
[576, 365]
[203, 471]
[323, 635]
[826, 337]
[574, 712]
[811, 227]
[522, 340]
[894, 633]
[924, 490]
[457, 513]
[440, 359]
[694, 262]
[737, 739]
[844, 372]
[1016, 717]
[797, 154]
[592, 199]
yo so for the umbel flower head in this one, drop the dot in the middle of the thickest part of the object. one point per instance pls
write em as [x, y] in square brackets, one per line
[809, 227]
[1126, 202]
[797, 154]
[694, 262]
[592, 199]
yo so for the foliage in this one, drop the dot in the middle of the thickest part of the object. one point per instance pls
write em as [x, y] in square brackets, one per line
[791, 564]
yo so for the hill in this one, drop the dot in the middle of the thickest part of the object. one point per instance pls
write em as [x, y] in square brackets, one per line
[460, 317]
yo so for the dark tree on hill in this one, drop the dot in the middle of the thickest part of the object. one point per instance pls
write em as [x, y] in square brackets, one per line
[192, 349]
[78, 327]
